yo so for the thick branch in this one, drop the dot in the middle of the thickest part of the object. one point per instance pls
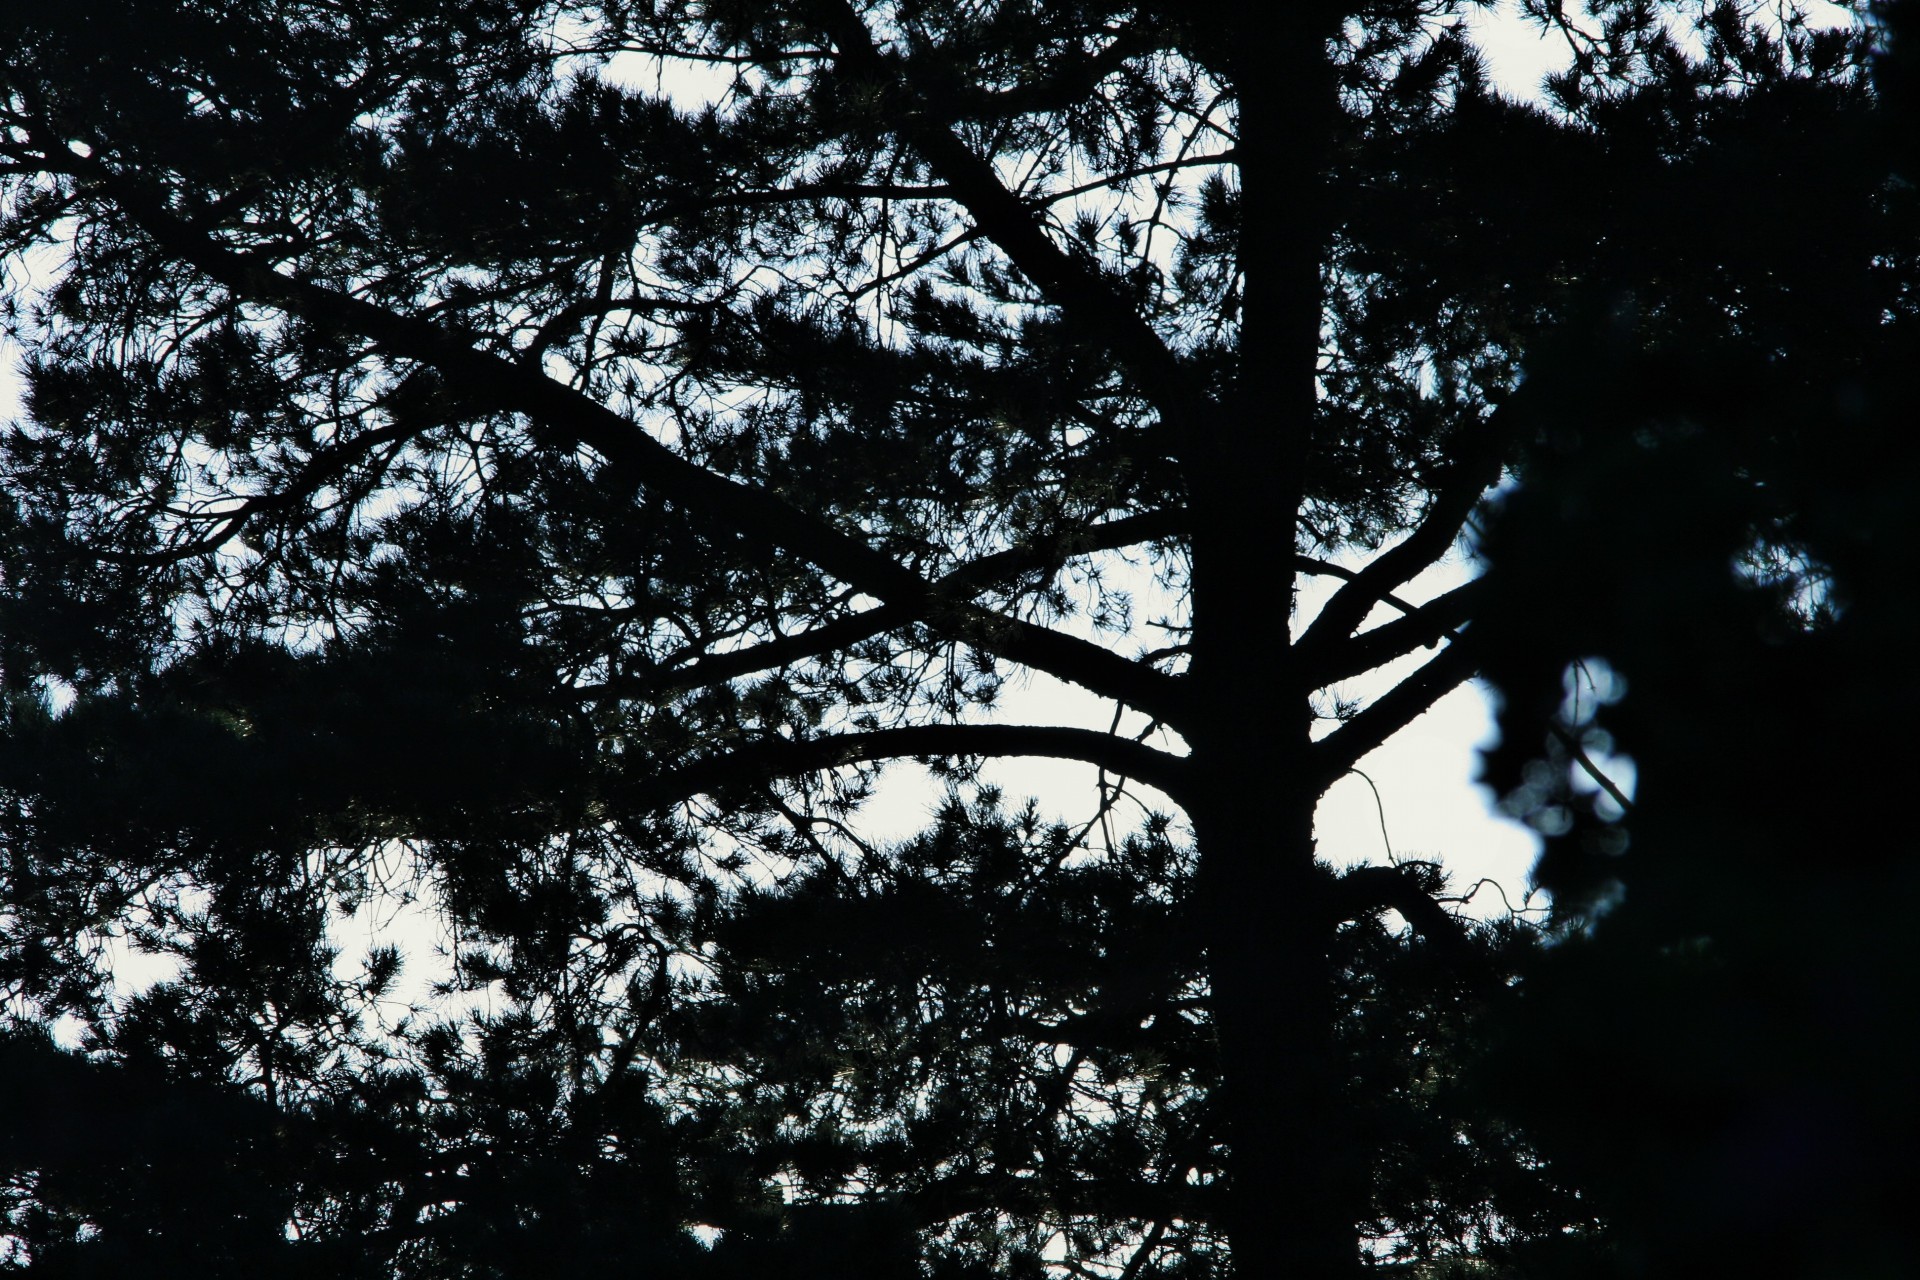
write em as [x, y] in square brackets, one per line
[1327, 569]
[1393, 711]
[1452, 504]
[1363, 889]
[782, 758]
[1423, 626]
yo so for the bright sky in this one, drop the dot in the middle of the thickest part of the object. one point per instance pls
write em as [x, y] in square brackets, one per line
[1425, 775]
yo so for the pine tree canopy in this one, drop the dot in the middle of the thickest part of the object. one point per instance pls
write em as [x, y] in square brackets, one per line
[535, 466]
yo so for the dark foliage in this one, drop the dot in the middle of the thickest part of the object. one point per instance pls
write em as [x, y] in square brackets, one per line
[528, 466]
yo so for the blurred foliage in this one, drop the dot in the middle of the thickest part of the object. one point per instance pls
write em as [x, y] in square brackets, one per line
[1707, 569]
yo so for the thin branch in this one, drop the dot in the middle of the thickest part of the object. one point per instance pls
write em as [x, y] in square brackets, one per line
[841, 633]
[716, 668]
[1057, 549]
[1379, 806]
[1328, 569]
[1229, 156]
[782, 757]
[319, 470]
[1144, 1252]
[1393, 711]
[1455, 499]
[611, 48]
[1088, 299]
[1423, 626]
[1592, 770]
[638, 459]
[682, 206]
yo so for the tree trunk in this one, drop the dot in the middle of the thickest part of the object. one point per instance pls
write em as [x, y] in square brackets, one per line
[1297, 1182]
[1291, 1199]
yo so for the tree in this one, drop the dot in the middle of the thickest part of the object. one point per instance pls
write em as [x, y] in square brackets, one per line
[572, 447]
[1716, 552]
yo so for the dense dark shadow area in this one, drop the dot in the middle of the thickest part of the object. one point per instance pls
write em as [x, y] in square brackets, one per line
[1714, 542]
[501, 482]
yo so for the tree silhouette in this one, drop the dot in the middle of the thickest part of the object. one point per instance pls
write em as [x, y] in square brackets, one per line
[547, 458]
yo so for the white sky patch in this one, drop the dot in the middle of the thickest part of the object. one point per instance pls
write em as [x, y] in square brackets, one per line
[1519, 54]
[22, 278]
